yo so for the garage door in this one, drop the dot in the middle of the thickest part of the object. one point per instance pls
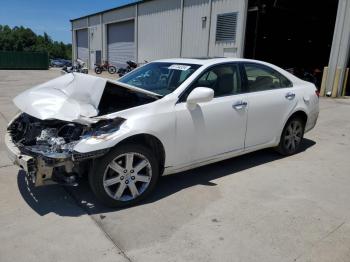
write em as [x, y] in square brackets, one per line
[121, 45]
[82, 45]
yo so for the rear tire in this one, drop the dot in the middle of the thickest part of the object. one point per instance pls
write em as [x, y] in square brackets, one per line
[292, 137]
[112, 69]
[98, 70]
[125, 176]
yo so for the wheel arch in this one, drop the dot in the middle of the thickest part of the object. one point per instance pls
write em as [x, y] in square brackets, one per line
[298, 113]
[151, 142]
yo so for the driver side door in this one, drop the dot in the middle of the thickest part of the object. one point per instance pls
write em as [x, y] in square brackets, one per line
[215, 127]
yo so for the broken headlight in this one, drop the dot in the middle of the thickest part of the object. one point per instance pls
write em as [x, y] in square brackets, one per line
[106, 127]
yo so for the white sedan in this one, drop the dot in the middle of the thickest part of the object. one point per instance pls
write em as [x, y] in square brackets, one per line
[164, 117]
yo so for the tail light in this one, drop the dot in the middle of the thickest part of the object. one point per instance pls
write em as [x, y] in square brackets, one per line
[317, 93]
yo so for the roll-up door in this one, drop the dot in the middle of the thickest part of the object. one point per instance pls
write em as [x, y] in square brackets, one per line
[82, 45]
[121, 46]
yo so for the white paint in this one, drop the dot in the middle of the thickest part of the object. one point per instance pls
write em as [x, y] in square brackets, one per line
[214, 130]
[230, 52]
[71, 97]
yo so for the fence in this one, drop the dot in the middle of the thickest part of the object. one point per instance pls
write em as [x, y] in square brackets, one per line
[24, 60]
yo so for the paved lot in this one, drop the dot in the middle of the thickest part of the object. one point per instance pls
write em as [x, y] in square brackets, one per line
[258, 207]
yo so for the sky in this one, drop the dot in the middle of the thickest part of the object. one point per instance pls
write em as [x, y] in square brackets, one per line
[51, 16]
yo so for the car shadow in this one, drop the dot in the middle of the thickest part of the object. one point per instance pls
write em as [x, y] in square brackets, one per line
[64, 200]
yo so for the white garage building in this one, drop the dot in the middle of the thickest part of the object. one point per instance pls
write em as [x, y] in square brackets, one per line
[154, 29]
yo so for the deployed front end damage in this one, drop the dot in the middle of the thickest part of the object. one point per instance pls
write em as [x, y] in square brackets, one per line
[59, 114]
[45, 149]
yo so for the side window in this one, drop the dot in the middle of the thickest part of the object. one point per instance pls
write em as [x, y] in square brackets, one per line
[260, 78]
[184, 75]
[223, 79]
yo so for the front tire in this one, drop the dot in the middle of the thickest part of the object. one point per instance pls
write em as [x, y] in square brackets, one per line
[125, 176]
[292, 137]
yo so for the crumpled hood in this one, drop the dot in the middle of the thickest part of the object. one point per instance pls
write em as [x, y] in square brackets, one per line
[72, 97]
[68, 97]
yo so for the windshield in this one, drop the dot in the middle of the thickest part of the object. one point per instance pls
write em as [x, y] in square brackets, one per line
[161, 78]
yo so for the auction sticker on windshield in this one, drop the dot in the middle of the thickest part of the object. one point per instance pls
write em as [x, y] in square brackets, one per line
[179, 67]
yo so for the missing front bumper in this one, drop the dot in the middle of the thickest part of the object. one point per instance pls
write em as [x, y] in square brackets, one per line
[39, 171]
[44, 170]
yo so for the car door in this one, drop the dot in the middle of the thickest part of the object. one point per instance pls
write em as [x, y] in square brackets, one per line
[270, 97]
[213, 127]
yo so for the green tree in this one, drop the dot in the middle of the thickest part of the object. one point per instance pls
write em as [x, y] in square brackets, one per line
[24, 39]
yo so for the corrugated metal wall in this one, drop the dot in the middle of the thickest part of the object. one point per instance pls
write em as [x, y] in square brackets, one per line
[94, 20]
[80, 23]
[119, 14]
[114, 16]
[222, 7]
[196, 28]
[95, 43]
[159, 29]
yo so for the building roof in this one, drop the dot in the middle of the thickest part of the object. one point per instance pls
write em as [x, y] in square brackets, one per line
[111, 9]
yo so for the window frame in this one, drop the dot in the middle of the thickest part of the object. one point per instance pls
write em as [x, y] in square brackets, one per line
[244, 77]
[182, 97]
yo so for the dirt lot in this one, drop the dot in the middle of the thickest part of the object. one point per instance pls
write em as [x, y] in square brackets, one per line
[258, 207]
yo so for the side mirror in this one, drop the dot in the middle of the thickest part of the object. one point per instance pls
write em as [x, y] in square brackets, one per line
[199, 95]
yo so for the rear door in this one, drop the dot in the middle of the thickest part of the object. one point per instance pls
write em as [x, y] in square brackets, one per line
[270, 97]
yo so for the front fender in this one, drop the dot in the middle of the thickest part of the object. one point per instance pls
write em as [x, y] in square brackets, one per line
[90, 144]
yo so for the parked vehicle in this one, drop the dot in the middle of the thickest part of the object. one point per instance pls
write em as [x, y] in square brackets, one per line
[67, 63]
[78, 67]
[164, 117]
[131, 65]
[56, 63]
[105, 67]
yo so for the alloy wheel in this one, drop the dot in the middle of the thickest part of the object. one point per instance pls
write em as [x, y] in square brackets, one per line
[127, 176]
[293, 135]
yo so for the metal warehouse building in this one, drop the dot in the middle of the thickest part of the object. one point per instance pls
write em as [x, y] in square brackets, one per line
[291, 34]
[149, 30]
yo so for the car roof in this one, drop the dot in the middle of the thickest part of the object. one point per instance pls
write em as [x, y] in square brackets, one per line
[204, 60]
[209, 61]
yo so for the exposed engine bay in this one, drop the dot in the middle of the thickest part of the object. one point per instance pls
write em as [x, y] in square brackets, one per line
[53, 138]
[48, 147]
[116, 98]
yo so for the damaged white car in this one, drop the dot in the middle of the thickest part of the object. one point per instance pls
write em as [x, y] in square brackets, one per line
[166, 116]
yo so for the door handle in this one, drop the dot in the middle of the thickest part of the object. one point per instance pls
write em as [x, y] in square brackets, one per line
[240, 105]
[290, 96]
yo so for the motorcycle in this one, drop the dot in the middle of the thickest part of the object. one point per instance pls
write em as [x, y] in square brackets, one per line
[79, 66]
[105, 67]
[131, 65]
